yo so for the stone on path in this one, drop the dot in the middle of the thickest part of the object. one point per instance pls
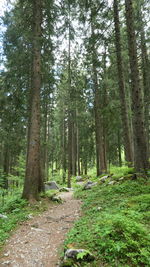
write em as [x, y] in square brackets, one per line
[51, 185]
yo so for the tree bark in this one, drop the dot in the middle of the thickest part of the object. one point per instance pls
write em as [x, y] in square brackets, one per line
[70, 113]
[45, 143]
[33, 179]
[119, 150]
[139, 135]
[78, 149]
[124, 111]
[6, 165]
[97, 109]
[74, 145]
[146, 79]
[64, 152]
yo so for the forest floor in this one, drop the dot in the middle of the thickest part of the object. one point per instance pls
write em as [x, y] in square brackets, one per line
[39, 241]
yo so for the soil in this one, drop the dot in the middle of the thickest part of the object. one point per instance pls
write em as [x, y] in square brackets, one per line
[39, 241]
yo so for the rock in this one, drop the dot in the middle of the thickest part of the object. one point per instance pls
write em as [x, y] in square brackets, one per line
[6, 254]
[37, 229]
[111, 182]
[64, 189]
[104, 178]
[56, 199]
[30, 216]
[3, 216]
[89, 185]
[121, 179]
[79, 178]
[79, 255]
[35, 225]
[46, 187]
[6, 263]
[51, 185]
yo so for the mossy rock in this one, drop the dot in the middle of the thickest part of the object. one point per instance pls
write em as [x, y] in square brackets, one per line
[79, 255]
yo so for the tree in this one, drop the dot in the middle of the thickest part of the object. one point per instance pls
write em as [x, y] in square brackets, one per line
[145, 65]
[33, 178]
[139, 135]
[122, 89]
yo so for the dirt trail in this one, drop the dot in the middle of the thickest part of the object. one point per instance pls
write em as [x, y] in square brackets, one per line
[37, 242]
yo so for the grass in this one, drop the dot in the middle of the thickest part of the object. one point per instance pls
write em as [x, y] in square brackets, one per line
[115, 224]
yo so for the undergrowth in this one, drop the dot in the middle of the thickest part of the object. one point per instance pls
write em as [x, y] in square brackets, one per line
[115, 224]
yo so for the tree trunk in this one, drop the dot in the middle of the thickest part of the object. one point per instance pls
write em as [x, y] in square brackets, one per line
[74, 145]
[6, 166]
[119, 150]
[33, 179]
[139, 135]
[70, 113]
[64, 148]
[69, 150]
[44, 148]
[47, 152]
[78, 150]
[97, 109]
[124, 111]
[146, 79]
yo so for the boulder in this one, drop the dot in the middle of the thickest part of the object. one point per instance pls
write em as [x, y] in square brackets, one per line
[104, 178]
[121, 179]
[3, 216]
[79, 179]
[99, 208]
[89, 185]
[79, 255]
[51, 185]
[111, 183]
[56, 199]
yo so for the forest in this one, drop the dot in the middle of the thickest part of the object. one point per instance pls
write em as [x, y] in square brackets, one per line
[75, 103]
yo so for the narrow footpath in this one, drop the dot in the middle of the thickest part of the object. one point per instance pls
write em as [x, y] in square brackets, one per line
[38, 242]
